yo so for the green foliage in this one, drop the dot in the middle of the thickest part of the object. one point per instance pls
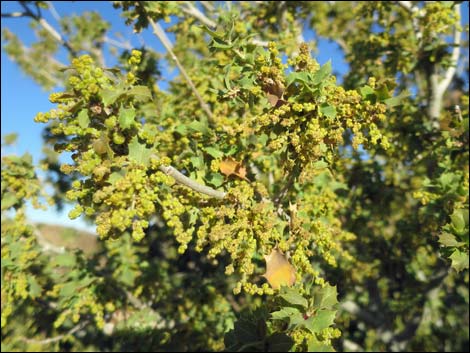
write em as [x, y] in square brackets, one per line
[361, 193]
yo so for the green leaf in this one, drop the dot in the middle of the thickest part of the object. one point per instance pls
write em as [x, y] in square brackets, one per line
[292, 296]
[8, 200]
[321, 320]
[368, 93]
[126, 117]
[213, 34]
[109, 96]
[459, 260]
[138, 152]
[285, 313]
[115, 176]
[303, 77]
[328, 110]
[34, 287]
[68, 289]
[459, 219]
[140, 93]
[313, 345]
[83, 119]
[320, 165]
[199, 126]
[214, 152]
[397, 100]
[448, 239]
[181, 129]
[321, 74]
[278, 342]
[216, 179]
[325, 297]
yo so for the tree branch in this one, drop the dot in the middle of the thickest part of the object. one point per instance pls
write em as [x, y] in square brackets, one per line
[15, 14]
[437, 87]
[160, 33]
[191, 10]
[194, 185]
[44, 24]
[455, 55]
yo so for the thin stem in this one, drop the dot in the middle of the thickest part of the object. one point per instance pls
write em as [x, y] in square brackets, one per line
[160, 33]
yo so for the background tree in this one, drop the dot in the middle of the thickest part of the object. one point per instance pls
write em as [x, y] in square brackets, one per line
[232, 206]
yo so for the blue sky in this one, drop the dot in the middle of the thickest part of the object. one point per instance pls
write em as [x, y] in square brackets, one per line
[22, 98]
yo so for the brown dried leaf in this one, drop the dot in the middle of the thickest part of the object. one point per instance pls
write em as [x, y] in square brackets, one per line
[230, 166]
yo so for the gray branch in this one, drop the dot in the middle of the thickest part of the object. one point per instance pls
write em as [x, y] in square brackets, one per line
[190, 183]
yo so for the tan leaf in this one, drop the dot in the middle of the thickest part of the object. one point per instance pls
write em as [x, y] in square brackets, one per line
[279, 271]
[230, 166]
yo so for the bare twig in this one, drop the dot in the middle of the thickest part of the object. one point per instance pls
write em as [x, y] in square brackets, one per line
[15, 14]
[76, 328]
[160, 33]
[207, 5]
[413, 11]
[116, 43]
[54, 12]
[190, 183]
[190, 9]
[44, 24]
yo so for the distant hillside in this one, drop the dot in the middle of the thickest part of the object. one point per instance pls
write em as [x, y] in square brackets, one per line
[67, 237]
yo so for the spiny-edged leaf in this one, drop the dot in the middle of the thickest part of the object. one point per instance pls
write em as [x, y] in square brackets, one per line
[83, 119]
[459, 260]
[313, 345]
[325, 297]
[214, 152]
[321, 320]
[448, 239]
[368, 93]
[285, 313]
[292, 296]
[109, 96]
[278, 342]
[34, 287]
[279, 271]
[138, 152]
[459, 219]
[321, 74]
[230, 166]
[199, 126]
[212, 33]
[8, 200]
[140, 93]
[126, 117]
[328, 110]
[304, 77]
